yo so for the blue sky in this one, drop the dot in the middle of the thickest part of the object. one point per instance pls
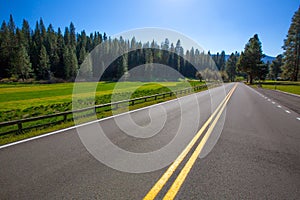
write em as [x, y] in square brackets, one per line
[215, 25]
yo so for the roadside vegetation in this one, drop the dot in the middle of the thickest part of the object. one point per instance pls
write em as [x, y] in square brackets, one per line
[19, 101]
[285, 86]
[32, 101]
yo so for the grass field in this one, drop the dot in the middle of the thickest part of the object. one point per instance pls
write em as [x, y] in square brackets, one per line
[295, 89]
[4, 139]
[19, 101]
[285, 86]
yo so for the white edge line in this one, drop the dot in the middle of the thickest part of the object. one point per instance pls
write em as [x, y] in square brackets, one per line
[287, 111]
[298, 118]
[296, 95]
[95, 121]
[87, 123]
[256, 91]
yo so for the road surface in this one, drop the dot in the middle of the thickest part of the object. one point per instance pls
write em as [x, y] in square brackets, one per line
[289, 100]
[256, 157]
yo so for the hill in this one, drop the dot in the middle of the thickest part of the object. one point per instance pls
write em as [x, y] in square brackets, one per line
[268, 59]
[265, 59]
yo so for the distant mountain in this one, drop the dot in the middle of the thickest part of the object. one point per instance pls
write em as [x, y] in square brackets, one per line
[268, 58]
[265, 59]
[227, 57]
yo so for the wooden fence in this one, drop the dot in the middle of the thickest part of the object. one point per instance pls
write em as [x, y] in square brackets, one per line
[17, 126]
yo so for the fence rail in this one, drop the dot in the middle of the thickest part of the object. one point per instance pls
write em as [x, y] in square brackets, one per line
[64, 115]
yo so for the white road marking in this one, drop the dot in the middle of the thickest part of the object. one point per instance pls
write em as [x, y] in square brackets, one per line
[269, 99]
[298, 118]
[287, 111]
[273, 102]
[279, 106]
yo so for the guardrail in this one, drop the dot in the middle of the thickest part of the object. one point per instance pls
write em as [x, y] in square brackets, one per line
[19, 124]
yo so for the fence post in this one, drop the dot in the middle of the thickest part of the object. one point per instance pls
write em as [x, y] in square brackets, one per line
[20, 126]
[65, 117]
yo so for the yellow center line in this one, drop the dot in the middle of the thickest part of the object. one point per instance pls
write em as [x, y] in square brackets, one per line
[166, 176]
[186, 169]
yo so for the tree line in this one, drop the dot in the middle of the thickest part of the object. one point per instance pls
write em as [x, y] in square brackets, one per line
[45, 54]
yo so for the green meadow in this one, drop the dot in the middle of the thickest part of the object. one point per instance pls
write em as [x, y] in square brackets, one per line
[19, 101]
[285, 86]
[295, 89]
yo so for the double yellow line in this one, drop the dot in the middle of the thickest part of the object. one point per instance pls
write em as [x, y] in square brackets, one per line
[186, 169]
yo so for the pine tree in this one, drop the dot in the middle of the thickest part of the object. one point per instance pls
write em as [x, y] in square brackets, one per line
[275, 67]
[5, 51]
[231, 66]
[179, 55]
[171, 61]
[43, 33]
[82, 55]
[74, 64]
[222, 61]
[67, 63]
[52, 50]
[72, 35]
[250, 59]
[35, 48]
[104, 37]
[11, 25]
[26, 34]
[20, 64]
[67, 36]
[43, 71]
[81, 50]
[59, 70]
[13, 46]
[70, 63]
[292, 49]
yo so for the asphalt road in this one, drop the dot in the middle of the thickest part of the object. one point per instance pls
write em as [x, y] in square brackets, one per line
[256, 157]
[288, 100]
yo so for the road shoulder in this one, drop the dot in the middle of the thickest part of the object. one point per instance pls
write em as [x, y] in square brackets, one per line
[286, 99]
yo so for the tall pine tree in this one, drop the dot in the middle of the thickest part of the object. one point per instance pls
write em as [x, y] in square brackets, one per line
[231, 66]
[292, 49]
[250, 60]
